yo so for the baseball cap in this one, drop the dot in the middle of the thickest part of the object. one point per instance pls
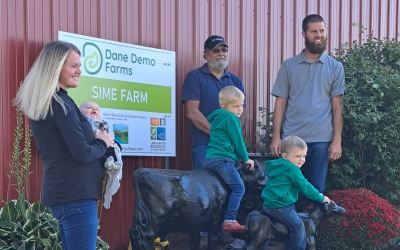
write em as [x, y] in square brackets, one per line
[213, 41]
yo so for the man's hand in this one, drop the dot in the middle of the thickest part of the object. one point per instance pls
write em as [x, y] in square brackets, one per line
[275, 146]
[335, 151]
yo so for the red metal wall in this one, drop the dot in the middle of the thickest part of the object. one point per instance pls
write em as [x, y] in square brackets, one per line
[260, 35]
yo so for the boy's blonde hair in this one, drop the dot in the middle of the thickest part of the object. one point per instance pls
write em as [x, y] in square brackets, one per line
[292, 142]
[35, 95]
[230, 94]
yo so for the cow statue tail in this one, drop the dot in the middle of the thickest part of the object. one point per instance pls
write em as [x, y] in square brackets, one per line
[141, 219]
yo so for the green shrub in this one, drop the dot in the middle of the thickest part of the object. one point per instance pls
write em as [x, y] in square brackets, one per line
[371, 133]
[370, 222]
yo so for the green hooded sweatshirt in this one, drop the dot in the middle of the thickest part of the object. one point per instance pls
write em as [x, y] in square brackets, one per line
[226, 139]
[285, 180]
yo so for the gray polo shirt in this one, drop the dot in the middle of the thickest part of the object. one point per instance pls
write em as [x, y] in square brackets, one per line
[309, 88]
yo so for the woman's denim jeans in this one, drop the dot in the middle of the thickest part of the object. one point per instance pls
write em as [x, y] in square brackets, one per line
[78, 224]
[288, 216]
[226, 168]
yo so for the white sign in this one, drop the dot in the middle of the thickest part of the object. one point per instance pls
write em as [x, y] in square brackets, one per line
[135, 89]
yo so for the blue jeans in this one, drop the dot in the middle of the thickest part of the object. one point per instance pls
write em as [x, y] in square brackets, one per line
[78, 224]
[226, 168]
[315, 168]
[198, 155]
[288, 216]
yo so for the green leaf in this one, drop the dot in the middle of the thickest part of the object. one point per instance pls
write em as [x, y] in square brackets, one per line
[9, 212]
[20, 246]
[5, 224]
[38, 208]
[57, 247]
[46, 242]
[3, 244]
[4, 233]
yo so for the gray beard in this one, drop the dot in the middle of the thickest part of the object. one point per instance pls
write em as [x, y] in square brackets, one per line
[218, 65]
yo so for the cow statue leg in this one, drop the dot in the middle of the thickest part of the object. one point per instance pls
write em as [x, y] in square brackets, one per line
[212, 239]
[311, 243]
[256, 232]
[141, 235]
[194, 240]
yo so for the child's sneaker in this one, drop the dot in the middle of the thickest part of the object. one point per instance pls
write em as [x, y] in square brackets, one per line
[233, 227]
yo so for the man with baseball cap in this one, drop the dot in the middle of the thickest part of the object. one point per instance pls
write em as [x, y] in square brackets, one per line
[200, 94]
[213, 41]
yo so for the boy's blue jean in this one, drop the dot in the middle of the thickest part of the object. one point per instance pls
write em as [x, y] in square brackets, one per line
[198, 155]
[78, 224]
[288, 216]
[226, 168]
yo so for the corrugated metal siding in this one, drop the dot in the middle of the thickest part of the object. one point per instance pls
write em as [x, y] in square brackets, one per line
[260, 34]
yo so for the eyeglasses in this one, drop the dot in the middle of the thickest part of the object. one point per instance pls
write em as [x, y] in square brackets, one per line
[216, 51]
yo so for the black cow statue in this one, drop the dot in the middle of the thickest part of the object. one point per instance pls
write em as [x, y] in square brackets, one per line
[186, 202]
[261, 227]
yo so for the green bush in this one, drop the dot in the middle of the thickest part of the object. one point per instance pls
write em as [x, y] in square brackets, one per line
[370, 222]
[371, 133]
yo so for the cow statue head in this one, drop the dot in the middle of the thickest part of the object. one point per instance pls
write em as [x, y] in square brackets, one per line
[254, 180]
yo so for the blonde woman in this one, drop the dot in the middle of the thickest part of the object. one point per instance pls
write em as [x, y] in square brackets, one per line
[73, 174]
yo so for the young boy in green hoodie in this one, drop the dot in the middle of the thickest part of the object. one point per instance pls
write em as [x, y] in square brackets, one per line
[285, 180]
[225, 148]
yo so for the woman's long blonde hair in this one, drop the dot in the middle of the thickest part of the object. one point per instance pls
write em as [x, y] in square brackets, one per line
[35, 95]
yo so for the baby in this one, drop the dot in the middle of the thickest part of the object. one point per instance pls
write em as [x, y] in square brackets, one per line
[92, 111]
[113, 163]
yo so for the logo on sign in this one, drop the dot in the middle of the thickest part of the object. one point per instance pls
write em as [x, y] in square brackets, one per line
[161, 133]
[93, 59]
